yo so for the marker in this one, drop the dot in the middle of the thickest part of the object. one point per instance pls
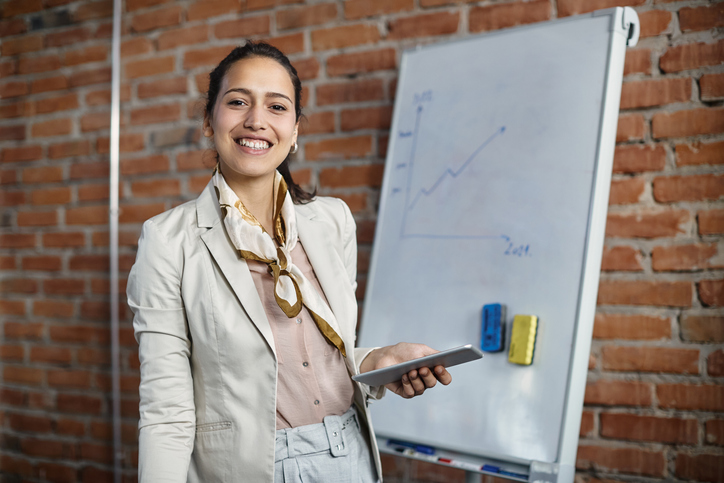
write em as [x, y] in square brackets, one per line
[460, 464]
[515, 475]
[417, 447]
[491, 468]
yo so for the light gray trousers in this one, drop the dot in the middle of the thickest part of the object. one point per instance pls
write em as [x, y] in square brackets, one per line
[333, 451]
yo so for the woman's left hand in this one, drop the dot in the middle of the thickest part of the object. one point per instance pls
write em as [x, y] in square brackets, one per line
[414, 382]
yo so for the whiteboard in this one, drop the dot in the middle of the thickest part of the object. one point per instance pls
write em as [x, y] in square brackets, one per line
[495, 191]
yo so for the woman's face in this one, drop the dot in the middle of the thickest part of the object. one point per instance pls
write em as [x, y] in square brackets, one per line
[253, 124]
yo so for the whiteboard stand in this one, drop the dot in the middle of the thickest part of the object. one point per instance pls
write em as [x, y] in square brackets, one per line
[496, 190]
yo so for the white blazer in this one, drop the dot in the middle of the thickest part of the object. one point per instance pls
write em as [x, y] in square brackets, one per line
[208, 362]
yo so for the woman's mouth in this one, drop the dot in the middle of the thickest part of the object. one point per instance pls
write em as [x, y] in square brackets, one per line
[255, 144]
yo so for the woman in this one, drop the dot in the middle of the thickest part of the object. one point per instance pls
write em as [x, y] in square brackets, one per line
[245, 310]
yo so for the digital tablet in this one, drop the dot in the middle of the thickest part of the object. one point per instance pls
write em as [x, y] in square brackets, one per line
[448, 358]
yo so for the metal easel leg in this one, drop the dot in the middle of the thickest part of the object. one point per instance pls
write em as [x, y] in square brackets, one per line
[472, 477]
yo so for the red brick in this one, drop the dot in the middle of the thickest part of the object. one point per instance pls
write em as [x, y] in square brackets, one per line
[51, 355]
[155, 188]
[349, 176]
[573, 7]
[22, 375]
[12, 307]
[618, 393]
[7, 263]
[242, 27]
[638, 61]
[701, 328]
[18, 285]
[698, 256]
[630, 127]
[366, 118]
[136, 46]
[12, 397]
[711, 222]
[8, 68]
[16, 466]
[500, 16]
[692, 154]
[149, 67]
[74, 334]
[691, 397]
[647, 224]
[156, 114]
[182, 36]
[64, 286]
[361, 62]
[654, 22]
[688, 123]
[16, 109]
[76, 403]
[87, 215]
[209, 56]
[57, 472]
[94, 357]
[69, 427]
[11, 8]
[34, 65]
[51, 196]
[42, 447]
[63, 239]
[711, 292]
[102, 97]
[651, 359]
[47, 84]
[30, 423]
[13, 89]
[53, 308]
[649, 428]
[289, 44]
[57, 103]
[8, 176]
[133, 5]
[67, 37]
[44, 263]
[626, 190]
[424, 25]
[621, 258]
[101, 75]
[319, 122]
[93, 10]
[701, 18]
[689, 188]
[54, 127]
[201, 159]
[266, 4]
[23, 330]
[22, 153]
[12, 198]
[307, 69]
[692, 56]
[69, 378]
[13, 27]
[139, 213]
[95, 121]
[715, 364]
[157, 18]
[12, 353]
[635, 461]
[344, 36]
[644, 292]
[650, 93]
[355, 9]
[700, 467]
[85, 55]
[712, 87]
[163, 87]
[211, 8]
[305, 16]
[715, 431]
[21, 45]
[587, 424]
[356, 91]
[8, 133]
[37, 218]
[356, 201]
[89, 262]
[339, 148]
[150, 164]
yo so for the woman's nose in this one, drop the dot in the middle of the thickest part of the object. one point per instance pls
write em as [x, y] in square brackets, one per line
[255, 118]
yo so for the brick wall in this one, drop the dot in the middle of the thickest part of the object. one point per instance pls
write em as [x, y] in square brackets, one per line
[655, 397]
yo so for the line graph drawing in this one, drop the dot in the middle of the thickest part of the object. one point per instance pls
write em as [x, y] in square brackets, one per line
[449, 173]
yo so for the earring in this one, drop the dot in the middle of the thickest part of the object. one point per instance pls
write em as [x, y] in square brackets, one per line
[295, 148]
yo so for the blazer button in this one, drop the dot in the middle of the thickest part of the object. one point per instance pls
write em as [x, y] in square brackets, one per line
[305, 364]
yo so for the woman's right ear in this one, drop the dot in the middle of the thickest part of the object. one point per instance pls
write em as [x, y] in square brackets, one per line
[207, 129]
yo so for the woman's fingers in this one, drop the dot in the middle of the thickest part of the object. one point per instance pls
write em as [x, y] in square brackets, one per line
[442, 375]
[418, 385]
[428, 377]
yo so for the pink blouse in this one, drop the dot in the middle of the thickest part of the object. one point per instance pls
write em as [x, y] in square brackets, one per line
[312, 380]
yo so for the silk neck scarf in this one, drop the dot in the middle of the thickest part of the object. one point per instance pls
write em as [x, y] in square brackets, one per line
[291, 287]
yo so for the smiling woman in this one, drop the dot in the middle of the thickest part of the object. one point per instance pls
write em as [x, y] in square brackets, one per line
[245, 312]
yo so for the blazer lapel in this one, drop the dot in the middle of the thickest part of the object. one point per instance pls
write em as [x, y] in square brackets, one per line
[232, 266]
[330, 272]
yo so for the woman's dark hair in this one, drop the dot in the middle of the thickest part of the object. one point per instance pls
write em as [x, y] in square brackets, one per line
[262, 49]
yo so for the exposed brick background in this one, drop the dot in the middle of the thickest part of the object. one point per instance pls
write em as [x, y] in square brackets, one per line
[654, 404]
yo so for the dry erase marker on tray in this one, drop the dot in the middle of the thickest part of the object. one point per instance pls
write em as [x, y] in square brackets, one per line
[460, 464]
[493, 328]
[420, 448]
[522, 339]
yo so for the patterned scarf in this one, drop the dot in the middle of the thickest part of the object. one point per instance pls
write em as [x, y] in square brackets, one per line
[291, 287]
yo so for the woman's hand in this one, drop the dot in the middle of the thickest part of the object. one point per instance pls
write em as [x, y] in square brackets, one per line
[414, 382]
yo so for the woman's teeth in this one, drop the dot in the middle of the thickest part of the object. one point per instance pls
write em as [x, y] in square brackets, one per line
[254, 143]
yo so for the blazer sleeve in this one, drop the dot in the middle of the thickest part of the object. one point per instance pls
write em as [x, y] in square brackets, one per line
[167, 414]
[350, 262]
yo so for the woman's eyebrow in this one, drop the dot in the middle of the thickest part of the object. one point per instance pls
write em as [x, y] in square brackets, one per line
[248, 93]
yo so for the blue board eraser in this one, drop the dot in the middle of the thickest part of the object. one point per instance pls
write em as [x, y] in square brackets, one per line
[492, 328]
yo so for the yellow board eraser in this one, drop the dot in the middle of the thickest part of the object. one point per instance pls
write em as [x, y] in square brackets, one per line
[522, 339]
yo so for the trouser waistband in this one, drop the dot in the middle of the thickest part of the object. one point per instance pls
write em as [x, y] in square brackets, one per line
[328, 435]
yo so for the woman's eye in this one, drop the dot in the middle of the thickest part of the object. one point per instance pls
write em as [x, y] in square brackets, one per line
[236, 102]
[278, 107]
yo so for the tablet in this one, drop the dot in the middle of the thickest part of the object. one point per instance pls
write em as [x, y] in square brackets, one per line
[448, 358]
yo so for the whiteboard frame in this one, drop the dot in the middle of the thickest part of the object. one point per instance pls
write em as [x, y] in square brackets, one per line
[624, 28]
